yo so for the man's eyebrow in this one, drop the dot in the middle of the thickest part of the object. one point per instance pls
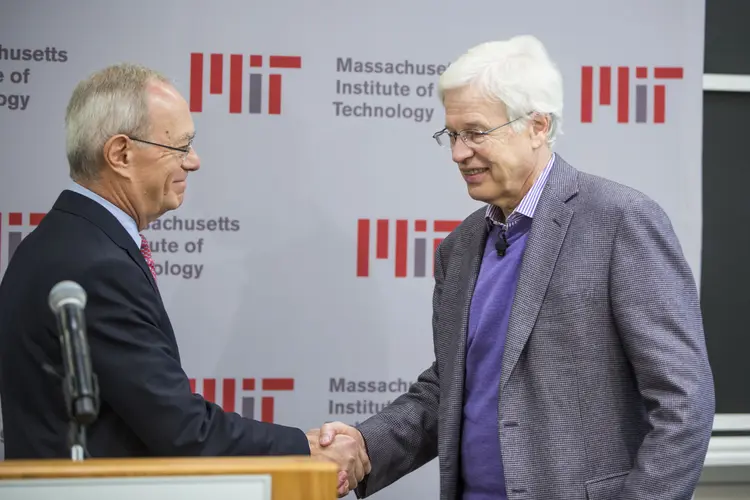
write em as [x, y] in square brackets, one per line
[186, 137]
[474, 126]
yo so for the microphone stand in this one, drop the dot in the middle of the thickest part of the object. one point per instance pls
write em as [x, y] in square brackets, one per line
[82, 405]
[77, 441]
[77, 420]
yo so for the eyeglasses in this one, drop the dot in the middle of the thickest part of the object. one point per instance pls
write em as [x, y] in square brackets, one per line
[471, 138]
[184, 150]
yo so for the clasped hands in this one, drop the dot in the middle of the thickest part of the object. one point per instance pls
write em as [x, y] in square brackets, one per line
[345, 446]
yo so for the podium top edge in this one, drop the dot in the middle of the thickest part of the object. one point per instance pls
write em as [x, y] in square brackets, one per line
[162, 466]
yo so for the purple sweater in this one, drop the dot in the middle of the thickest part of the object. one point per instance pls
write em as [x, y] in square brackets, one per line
[482, 474]
[481, 463]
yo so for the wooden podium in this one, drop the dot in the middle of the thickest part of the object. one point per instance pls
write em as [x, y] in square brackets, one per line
[227, 478]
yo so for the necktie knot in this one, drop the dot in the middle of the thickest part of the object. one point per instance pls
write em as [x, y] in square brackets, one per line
[146, 252]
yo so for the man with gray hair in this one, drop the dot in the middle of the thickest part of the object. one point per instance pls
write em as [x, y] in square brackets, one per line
[570, 359]
[130, 151]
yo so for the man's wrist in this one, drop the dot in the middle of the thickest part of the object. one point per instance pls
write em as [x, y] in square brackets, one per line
[312, 442]
[360, 438]
[361, 441]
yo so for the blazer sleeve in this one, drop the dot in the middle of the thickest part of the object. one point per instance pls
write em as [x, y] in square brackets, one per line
[404, 436]
[657, 312]
[140, 377]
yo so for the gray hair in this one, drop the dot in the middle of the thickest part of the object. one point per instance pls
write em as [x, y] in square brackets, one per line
[516, 72]
[111, 101]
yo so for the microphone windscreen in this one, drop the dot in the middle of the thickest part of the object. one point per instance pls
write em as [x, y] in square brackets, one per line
[66, 292]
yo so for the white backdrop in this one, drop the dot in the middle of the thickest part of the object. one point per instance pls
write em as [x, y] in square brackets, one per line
[265, 284]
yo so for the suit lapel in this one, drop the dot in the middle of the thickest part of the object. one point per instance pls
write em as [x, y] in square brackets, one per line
[77, 204]
[452, 387]
[549, 227]
[137, 256]
[470, 268]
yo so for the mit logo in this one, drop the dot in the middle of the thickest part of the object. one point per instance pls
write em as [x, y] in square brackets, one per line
[236, 68]
[14, 226]
[383, 250]
[624, 92]
[232, 398]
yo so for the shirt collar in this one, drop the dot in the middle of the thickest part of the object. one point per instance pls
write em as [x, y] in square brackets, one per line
[127, 221]
[527, 207]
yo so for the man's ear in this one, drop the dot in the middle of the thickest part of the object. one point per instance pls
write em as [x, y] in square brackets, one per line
[539, 130]
[118, 154]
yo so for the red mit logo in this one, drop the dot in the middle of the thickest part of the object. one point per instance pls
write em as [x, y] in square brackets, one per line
[16, 230]
[382, 247]
[230, 396]
[623, 92]
[236, 67]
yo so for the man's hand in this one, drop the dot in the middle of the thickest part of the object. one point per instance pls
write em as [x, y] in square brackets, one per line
[336, 430]
[346, 450]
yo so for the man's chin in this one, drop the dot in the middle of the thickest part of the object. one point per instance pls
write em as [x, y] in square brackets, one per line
[173, 201]
[480, 193]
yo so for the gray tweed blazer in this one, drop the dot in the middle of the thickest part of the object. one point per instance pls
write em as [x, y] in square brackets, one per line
[606, 390]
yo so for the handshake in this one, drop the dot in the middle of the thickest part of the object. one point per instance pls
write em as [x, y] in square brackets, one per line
[343, 445]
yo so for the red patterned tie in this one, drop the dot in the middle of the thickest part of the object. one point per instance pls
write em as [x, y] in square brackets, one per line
[146, 252]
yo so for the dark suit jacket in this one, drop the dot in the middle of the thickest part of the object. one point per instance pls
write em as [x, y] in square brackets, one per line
[147, 408]
[605, 390]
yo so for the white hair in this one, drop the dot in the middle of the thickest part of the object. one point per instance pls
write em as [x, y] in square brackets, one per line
[516, 72]
[109, 102]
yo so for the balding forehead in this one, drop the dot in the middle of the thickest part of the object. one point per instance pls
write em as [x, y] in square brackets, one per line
[169, 114]
[161, 90]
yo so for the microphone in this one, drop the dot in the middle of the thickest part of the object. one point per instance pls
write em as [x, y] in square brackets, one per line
[501, 245]
[67, 300]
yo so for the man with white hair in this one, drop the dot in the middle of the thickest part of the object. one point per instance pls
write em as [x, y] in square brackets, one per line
[129, 146]
[570, 359]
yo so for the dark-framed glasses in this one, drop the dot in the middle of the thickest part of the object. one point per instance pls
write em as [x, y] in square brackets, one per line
[185, 150]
